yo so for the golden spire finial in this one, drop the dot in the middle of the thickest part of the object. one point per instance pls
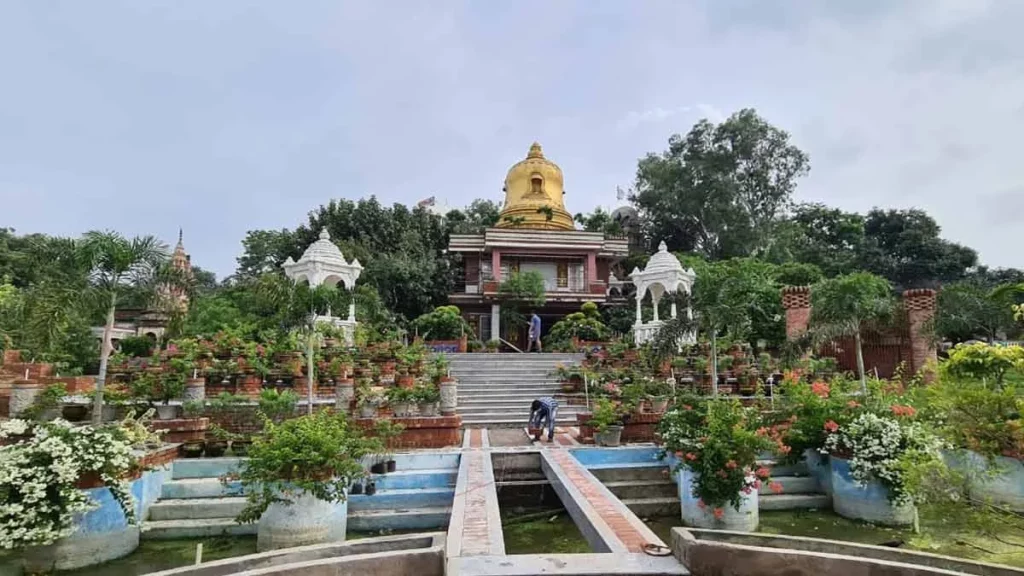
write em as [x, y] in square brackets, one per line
[535, 151]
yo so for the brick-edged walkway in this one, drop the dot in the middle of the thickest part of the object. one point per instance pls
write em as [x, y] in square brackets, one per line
[597, 496]
[476, 520]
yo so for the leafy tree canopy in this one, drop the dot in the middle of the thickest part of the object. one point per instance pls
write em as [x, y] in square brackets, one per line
[720, 190]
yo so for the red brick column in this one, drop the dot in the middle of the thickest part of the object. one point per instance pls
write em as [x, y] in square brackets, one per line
[920, 305]
[797, 302]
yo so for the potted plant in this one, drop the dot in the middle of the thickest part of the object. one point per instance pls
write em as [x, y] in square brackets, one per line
[171, 386]
[439, 365]
[113, 399]
[633, 396]
[278, 405]
[216, 447]
[368, 404]
[301, 505]
[193, 448]
[607, 423]
[877, 465]
[700, 366]
[193, 409]
[713, 447]
[401, 400]
[658, 393]
[47, 404]
[427, 398]
[387, 431]
[240, 444]
[492, 346]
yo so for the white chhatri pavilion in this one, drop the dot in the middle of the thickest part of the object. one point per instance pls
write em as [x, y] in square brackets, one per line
[663, 274]
[324, 264]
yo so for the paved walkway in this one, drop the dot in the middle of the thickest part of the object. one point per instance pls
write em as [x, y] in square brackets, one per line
[475, 527]
[606, 514]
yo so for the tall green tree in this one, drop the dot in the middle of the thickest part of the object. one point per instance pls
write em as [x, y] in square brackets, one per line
[720, 190]
[970, 309]
[115, 264]
[840, 306]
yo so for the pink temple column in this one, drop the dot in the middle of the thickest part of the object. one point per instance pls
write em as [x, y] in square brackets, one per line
[496, 265]
[592, 267]
[920, 305]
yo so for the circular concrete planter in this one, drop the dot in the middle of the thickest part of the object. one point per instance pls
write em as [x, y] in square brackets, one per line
[449, 397]
[344, 392]
[744, 519]
[998, 480]
[819, 468]
[869, 502]
[100, 535]
[307, 520]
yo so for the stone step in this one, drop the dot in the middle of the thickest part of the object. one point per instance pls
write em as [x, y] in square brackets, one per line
[794, 501]
[204, 528]
[792, 485]
[203, 467]
[428, 461]
[632, 489]
[418, 519]
[504, 420]
[517, 408]
[188, 488]
[629, 472]
[508, 384]
[779, 469]
[398, 500]
[654, 507]
[411, 479]
[196, 508]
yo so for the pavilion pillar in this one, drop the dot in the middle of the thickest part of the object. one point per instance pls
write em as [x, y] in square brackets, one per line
[496, 265]
[656, 301]
[673, 309]
[495, 321]
[639, 312]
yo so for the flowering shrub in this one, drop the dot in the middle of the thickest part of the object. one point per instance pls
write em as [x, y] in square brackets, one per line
[808, 411]
[39, 497]
[974, 416]
[716, 440]
[885, 449]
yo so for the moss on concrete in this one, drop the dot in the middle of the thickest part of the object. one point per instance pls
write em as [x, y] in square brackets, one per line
[952, 531]
[155, 555]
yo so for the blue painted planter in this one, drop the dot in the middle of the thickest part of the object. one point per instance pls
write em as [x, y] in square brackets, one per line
[819, 468]
[307, 520]
[999, 480]
[102, 534]
[744, 519]
[869, 502]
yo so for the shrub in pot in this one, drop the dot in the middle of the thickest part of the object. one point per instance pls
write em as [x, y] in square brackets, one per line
[658, 393]
[882, 465]
[47, 404]
[218, 444]
[607, 423]
[401, 401]
[368, 403]
[303, 504]
[715, 445]
[278, 405]
[387, 432]
[193, 448]
[427, 397]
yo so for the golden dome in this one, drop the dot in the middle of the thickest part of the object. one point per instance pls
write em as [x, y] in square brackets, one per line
[533, 195]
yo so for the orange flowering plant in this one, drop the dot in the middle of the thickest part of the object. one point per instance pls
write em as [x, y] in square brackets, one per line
[807, 412]
[717, 440]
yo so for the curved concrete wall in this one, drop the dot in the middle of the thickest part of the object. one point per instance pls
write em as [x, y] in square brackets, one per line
[419, 554]
[742, 554]
[869, 502]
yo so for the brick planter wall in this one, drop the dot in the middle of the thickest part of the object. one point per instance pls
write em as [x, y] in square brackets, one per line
[640, 428]
[182, 429]
[423, 432]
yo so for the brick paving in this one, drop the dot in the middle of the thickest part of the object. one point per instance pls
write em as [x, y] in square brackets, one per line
[477, 535]
[599, 501]
[475, 438]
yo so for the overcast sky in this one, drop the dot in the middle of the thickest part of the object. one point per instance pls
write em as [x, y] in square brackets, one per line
[222, 116]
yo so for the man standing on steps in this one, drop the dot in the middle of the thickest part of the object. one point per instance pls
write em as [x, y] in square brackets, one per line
[542, 409]
[534, 334]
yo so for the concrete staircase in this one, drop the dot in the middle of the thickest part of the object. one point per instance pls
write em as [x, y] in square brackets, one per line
[496, 390]
[194, 503]
[649, 492]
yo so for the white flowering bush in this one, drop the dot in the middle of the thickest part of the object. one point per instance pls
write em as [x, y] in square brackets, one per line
[893, 452]
[38, 476]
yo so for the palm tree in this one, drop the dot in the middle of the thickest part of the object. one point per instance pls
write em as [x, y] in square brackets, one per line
[840, 306]
[116, 263]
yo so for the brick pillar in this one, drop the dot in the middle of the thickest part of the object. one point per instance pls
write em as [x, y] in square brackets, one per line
[797, 302]
[920, 306]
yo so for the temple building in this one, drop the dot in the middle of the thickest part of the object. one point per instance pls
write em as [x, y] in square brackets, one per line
[534, 233]
[151, 322]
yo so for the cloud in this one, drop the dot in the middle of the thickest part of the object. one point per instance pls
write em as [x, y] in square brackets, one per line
[634, 119]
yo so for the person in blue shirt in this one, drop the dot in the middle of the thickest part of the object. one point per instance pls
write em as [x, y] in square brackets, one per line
[541, 410]
[534, 335]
